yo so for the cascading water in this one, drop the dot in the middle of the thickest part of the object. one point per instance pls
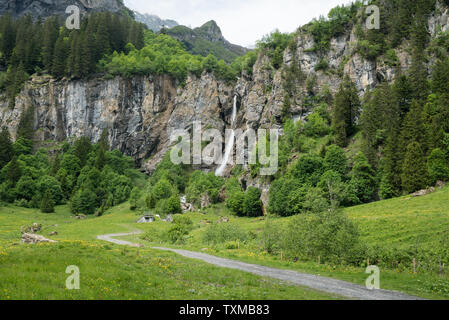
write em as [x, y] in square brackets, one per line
[230, 143]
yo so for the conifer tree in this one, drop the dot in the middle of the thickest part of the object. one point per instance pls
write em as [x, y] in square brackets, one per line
[14, 172]
[413, 128]
[102, 38]
[402, 93]
[418, 70]
[47, 203]
[25, 129]
[6, 149]
[59, 57]
[345, 112]
[414, 170]
[363, 179]
[391, 182]
[82, 148]
[8, 39]
[51, 33]
[100, 160]
[375, 121]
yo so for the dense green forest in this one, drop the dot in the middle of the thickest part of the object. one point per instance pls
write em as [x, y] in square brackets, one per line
[90, 177]
[29, 46]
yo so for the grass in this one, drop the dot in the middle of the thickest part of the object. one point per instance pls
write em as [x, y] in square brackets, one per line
[398, 223]
[112, 272]
[405, 221]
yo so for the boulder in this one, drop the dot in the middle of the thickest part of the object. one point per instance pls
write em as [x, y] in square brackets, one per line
[223, 220]
[440, 184]
[185, 206]
[205, 201]
[423, 192]
[35, 227]
[34, 238]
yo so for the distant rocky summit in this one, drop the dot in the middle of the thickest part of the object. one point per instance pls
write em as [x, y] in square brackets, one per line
[153, 22]
[46, 8]
[205, 40]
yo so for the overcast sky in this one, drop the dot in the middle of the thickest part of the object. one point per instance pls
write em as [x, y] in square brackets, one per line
[242, 22]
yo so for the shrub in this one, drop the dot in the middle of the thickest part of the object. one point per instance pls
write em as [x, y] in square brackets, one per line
[47, 204]
[179, 219]
[224, 232]
[437, 166]
[274, 46]
[50, 184]
[336, 160]
[308, 169]
[316, 126]
[180, 228]
[270, 237]
[177, 233]
[391, 59]
[134, 198]
[201, 184]
[322, 65]
[368, 50]
[235, 202]
[162, 190]
[284, 196]
[252, 205]
[168, 206]
[330, 235]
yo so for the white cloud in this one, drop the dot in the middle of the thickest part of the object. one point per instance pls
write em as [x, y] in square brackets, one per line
[242, 22]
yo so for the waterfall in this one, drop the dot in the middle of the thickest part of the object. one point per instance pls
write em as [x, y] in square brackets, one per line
[230, 143]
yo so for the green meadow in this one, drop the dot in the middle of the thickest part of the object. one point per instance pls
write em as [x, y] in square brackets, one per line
[114, 272]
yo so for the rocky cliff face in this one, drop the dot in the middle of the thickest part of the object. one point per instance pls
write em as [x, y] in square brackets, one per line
[46, 8]
[140, 114]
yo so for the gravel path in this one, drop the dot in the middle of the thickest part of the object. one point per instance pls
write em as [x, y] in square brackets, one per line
[324, 284]
[110, 238]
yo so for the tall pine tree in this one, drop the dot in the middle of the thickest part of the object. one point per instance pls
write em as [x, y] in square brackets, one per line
[6, 149]
[414, 169]
[345, 111]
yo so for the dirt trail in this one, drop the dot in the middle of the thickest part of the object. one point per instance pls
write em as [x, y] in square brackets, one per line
[324, 284]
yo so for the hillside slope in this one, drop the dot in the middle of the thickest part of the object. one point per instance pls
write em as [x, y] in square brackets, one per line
[405, 222]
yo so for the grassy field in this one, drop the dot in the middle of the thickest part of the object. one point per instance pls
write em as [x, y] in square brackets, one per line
[405, 221]
[112, 272]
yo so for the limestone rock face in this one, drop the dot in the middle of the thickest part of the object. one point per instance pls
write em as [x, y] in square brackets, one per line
[138, 114]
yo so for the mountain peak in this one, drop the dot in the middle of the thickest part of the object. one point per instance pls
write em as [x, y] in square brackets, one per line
[154, 22]
[210, 31]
